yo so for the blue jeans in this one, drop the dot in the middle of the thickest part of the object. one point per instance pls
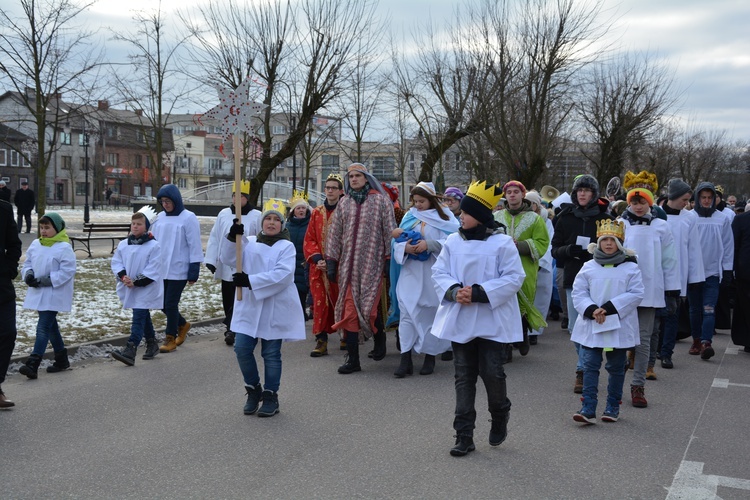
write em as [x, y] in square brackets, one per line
[270, 350]
[615, 366]
[141, 325]
[479, 358]
[671, 324]
[572, 317]
[47, 330]
[172, 294]
[702, 302]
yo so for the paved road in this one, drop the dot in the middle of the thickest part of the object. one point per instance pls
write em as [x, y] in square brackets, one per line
[174, 428]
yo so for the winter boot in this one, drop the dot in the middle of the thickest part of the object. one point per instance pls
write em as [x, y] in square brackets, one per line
[321, 346]
[378, 353]
[695, 349]
[406, 367]
[637, 394]
[229, 337]
[352, 358]
[253, 399]
[707, 351]
[169, 344]
[578, 387]
[270, 406]
[650, 373]
[499, 429]
[523, 346]
[182, 332]
[611, 413]
[31, 366]
[152, 349]
[428, 366]
[447, 356]
[464, 445]
[61, 362]
[126, 355]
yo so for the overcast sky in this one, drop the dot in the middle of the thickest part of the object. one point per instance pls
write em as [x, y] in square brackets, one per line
[705, 41]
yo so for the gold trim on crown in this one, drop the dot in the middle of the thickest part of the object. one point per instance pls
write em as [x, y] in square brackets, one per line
[335, 177]
[275, 204]
[486, 194]
[244, 187]
[297, 196]
[643, 179]
[609, 227]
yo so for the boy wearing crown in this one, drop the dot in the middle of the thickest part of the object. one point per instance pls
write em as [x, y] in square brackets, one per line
[137, 266]
[606, 293]
[477, 276]
[653, 243]
[324, 292]
[220, 270]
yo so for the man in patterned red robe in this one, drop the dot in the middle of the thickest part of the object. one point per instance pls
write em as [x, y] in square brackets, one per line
[358, 248]
[324, 292]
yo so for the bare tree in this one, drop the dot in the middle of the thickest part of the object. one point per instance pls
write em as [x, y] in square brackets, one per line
[154, 82]
[622, 103]
[310, 48]
[43, 54]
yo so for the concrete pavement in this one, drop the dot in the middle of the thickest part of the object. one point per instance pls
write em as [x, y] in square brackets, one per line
[174, 428]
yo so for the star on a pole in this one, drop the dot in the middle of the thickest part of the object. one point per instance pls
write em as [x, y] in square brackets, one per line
[235, 112]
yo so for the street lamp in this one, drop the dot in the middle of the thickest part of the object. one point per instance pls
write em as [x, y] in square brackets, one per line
[86, 167]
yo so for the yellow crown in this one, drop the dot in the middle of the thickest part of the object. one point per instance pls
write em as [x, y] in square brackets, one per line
[297, 196]
[335, 177]
[275, 204]
[244, 187]
[643, 179]
[486, 194]
[609, 227]
[719, 189]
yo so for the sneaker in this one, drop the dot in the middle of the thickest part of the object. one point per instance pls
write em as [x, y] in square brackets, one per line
[182, 332]
[564, 324]
[637, 394]
[650, 374]
[578, 387]
[464, 445]
[610, 416]
[695, 349]
[321, 349]
[270, 406]
[499, 430]
[584, 417]
[707, 351]
[666, 362]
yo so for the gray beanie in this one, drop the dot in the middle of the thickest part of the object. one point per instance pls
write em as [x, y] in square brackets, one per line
[585, 181]
[677, 188]
[273, 212]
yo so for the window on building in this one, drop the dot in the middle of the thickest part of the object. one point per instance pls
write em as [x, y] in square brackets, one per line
[148, 161]
[276, 146]
[330, 164]
[14, 158]
[3, 157]
[411, 162]
[65, 138]
[137, 161]
[82, 164]
[383, 167]
[80, 189]
[67, 162]
[140, 137]
[182, 183]
[136, 190]
[278, 130]
[112, 131]
[113, 159]
[82, 139]
[26, 158]
[215, 164]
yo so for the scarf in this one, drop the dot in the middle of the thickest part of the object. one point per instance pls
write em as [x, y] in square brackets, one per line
[482, 231]
[671, 211]
[270, 240]
[62, 236]
[704, 212]
[614, 259]
[634, 220]
[140, 240]
[245, 210]
[330, 208]
[525, 207]
[359, 196]
[590, 210]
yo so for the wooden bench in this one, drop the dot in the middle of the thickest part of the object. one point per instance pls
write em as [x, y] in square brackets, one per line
[117, 230]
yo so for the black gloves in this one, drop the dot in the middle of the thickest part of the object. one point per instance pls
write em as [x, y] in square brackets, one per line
[479, 295]
[576, 251]
[235, 230]
[332, 268]
[194, 271]
[44, 281]
[29, 277]
[673, 305]
[241, 279]
[211, 268]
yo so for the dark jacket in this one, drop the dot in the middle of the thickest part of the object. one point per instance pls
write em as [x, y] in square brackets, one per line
[297, 229]
[173, 193]
[741, 231]
[5, 194]
[10, 248]
[24, 201]
[567, 229]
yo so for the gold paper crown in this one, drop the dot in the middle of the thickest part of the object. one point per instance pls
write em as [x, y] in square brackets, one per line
[297, 196]
[644, 180]
[486, 194]
[719, 189]
[244, 187]
[335, 177]
[275, 204]
[609, 227]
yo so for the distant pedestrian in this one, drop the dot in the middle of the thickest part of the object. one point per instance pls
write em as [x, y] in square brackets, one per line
[269, 310]
[11, 252]
[49, 270]
[25, 202]
[137, 265]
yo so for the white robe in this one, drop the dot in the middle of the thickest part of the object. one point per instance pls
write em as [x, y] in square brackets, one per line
[270, 309]
[219, 232]
[417, 299]
[657, 259]
[495, 265]
[59, 263]
[180, 240]
[622, 285]
[689, 251]
[543, 296]
[717, 242]
[144, 260]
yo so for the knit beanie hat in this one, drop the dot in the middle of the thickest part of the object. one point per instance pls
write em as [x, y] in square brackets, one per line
[480, 199]
[453, 192]
[585, 181]
[677, 188]
[53, 218]
[642, 193]
[517, 184]
[273, 211]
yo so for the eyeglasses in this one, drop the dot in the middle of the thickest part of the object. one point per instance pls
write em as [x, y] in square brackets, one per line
[329, 188]
[166, 200]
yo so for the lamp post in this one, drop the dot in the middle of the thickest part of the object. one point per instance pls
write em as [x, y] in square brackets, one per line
[86, 167]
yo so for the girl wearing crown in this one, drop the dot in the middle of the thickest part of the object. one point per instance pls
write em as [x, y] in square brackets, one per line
[418, 241]
[297, 224]
[606, 293]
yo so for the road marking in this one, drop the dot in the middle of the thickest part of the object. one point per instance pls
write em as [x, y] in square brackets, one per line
[732, 350]
[689, 483]
[724, 383]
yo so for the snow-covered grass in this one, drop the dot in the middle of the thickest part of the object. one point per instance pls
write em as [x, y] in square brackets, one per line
[97, 312]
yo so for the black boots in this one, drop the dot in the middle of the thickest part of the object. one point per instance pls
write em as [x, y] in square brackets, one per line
[499, 429]
[61, 362]
[152, 349]
[270, 405]
[126, 354]
[406, 367]
[464, 444]
[31, 366]
[253, 399]
[352, 358]
[229, 337]
[378, 353]
[428, 366]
